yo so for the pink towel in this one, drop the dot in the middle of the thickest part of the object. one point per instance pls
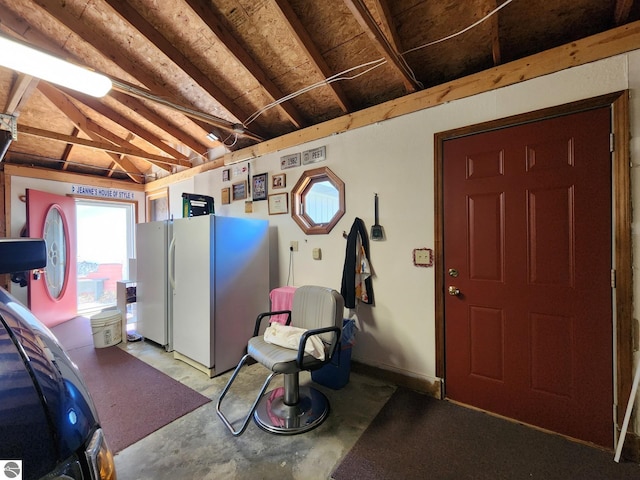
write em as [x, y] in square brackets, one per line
[281, 299]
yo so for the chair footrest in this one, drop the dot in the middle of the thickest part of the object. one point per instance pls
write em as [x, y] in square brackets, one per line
[274, 416]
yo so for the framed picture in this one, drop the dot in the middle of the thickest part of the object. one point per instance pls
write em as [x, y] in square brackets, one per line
[259, 187]
[239, 191]
[226, 196]
[226, 174]
[279, 181]
[278, 203]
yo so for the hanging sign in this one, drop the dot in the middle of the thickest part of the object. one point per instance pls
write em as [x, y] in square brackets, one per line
[101, 192]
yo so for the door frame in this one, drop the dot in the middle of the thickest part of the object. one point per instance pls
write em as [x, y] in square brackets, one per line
[621, 220]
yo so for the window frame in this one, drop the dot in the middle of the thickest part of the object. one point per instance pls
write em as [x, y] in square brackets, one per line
[299, 192]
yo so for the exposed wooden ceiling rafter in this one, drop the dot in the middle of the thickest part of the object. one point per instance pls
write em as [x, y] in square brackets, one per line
[67, 150]
[102, 45]
[496, 52]
[175, 157]
[88, 127]
[366, 21]
[101, 145]
[622, 11]
[129, 14]
[204, 9]
[152, 117]
[202, 119]
[388, 25]
[304, 41]
[21, 91]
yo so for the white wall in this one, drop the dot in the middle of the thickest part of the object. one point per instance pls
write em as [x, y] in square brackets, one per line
[395, 159]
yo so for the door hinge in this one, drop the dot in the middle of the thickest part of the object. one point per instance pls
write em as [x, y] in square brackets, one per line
[613, 278]
[612, 142]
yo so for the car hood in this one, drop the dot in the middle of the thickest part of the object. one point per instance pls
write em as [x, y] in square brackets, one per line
[46, 413]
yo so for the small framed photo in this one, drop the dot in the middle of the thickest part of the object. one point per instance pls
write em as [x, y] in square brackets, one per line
[279, 181]
[278, 203]
[226, 174]
[226, 196]
[259, 187]
[239, 191]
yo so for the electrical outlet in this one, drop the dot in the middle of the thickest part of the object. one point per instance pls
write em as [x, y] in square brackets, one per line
[293, 246]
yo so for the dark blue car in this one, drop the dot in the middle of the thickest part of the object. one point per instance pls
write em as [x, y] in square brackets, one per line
[49, 428]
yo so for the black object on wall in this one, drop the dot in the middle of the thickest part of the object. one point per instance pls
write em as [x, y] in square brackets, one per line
[5, 141]
[194, 204]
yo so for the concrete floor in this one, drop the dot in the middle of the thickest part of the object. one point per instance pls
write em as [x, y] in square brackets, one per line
[198, 445]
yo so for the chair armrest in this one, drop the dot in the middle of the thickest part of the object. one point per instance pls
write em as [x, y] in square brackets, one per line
[256, 330]
[317, 331]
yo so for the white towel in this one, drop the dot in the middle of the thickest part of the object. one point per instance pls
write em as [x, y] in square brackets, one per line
[289, 337]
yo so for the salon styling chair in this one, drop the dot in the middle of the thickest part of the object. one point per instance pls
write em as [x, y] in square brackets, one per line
[292, 409]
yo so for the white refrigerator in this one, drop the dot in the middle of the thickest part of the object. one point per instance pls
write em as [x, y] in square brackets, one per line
[217, 282]
[154, 298]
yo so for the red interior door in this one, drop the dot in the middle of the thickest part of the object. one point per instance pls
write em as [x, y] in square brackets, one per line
[527, 231]
[53, 293]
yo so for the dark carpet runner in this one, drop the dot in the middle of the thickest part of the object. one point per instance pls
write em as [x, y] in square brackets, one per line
[133, 399]
[417, 437]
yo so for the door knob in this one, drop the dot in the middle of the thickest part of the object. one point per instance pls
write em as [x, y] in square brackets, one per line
[454, 291]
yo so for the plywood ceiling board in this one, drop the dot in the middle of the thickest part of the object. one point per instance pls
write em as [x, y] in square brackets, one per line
[320, 18]
[348, 47]
[585, 17]
[319, 103]
[180, 33]
[7, 79]
[462, 55]
[363, 90]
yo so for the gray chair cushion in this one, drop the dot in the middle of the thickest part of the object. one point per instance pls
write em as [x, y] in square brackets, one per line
[278, 359]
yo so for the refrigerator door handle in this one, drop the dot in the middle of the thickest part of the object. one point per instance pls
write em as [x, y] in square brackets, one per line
[172, 257]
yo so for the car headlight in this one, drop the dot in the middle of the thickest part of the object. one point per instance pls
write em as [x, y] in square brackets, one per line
[100, 458]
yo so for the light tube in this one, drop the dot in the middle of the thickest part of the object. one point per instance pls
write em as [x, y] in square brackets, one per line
[30, 61]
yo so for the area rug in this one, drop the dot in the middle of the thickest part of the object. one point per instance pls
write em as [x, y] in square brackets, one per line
[133, 399]
[416, 437]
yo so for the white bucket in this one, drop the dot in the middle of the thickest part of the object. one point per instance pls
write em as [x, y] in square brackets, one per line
[107, 328]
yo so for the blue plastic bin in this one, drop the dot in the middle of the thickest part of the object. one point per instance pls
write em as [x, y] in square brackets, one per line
[335, 374]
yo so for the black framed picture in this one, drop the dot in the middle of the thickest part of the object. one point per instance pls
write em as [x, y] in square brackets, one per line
[259, 187]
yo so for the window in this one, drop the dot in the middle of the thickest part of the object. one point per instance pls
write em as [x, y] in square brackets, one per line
[105, 233]
[318, 201]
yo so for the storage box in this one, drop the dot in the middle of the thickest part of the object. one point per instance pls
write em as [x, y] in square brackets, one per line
[335, 374]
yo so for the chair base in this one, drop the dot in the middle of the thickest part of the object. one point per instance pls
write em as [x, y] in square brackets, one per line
[274, 416]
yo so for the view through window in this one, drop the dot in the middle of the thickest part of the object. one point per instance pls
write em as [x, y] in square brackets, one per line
[105, 244]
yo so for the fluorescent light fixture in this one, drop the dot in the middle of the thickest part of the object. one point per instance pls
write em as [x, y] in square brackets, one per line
[30, 61]
[213, 137]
